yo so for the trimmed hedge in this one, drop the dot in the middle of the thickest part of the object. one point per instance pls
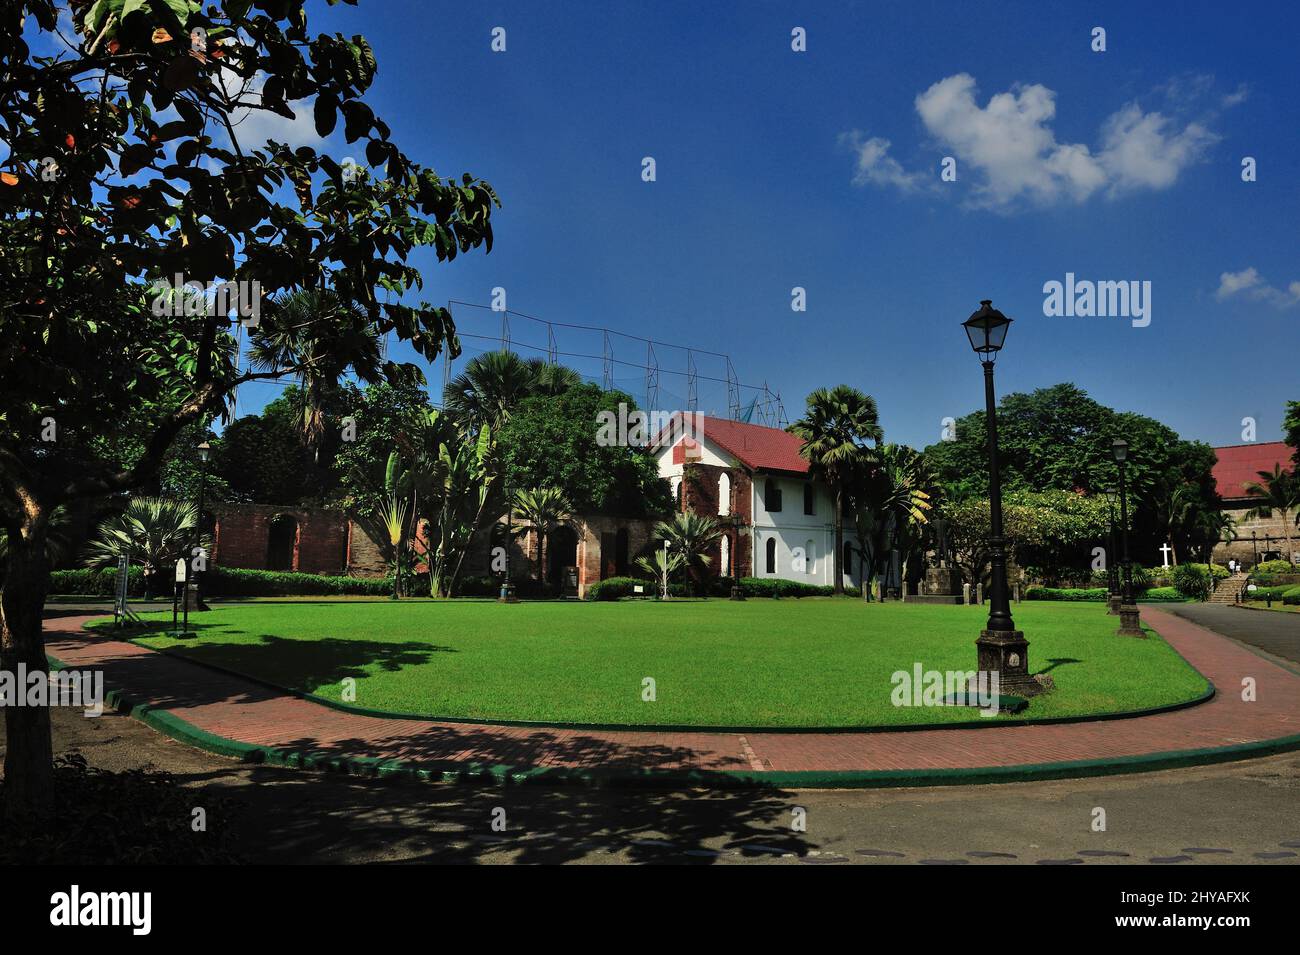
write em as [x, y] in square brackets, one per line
[1065, 593]
[616, 588]
[1292, 596]
[1163, 593]
[221, 582]
[1267, 593]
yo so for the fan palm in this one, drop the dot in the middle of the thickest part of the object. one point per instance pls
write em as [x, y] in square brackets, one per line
[551, 379]
[153, 532]
[1276, 490]
[545, 508]
[290, 337]
[833, 428]
[689, 535]
[490, 387]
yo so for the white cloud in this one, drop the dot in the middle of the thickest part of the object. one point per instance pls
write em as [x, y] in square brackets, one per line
[1010, 146]
[253, 127]
[875, 165]
[1141, 150]
[1249, 283]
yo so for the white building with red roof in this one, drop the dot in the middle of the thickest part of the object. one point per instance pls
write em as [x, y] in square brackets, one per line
[753, 480]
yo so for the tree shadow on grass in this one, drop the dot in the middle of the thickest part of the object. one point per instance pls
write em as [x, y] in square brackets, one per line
[1056, 662]
[307, 664]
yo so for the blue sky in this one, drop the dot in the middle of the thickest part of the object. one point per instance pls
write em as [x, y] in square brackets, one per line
[773, 172]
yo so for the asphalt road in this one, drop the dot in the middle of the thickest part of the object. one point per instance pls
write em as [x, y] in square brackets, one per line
[1274, 631]
[1238, 810]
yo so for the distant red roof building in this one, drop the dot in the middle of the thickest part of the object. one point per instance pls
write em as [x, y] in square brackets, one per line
[757, 447]
[1240, 464]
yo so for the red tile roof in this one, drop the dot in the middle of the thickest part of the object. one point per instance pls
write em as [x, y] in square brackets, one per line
[1241, 463]
[757, 447]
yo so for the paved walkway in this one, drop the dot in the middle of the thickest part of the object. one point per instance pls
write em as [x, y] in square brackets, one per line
[1276, 631]
[239, 709]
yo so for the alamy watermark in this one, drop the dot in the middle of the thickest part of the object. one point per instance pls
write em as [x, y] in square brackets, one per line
[73, 688]
[647, 429]
[1087, 299]
[243, 298]
[921, 687]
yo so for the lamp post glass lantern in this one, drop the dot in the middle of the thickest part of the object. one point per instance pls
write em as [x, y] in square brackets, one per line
[1001, 648]
[1112, 552]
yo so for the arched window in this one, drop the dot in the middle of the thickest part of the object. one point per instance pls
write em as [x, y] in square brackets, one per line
[810, 558]
[620, 552]
[771, 555]
[725, 561]
[771, 496]
[847, 569]
[724, 494]
[809, 499]
[677, 492]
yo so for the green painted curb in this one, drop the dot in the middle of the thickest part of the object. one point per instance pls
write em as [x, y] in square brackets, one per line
[983, 724]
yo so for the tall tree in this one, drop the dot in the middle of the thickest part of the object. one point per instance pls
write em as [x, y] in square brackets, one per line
[891, 499]
[688, 536]
[489, 389]
[834, 426]
[126, 168]
[1276, 490]
[1291, 430]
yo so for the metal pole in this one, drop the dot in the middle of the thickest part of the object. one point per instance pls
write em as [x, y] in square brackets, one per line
[999, 599]
[1123, 516]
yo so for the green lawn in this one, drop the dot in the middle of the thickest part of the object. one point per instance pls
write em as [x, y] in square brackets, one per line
[812, 662]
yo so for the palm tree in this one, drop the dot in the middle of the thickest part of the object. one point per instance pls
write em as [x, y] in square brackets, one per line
[288, 337]
[551, 379]
[661, 565]
[689, 535]
[58, 540]
[491, 386]
[1177, 510]
[833, 429]
[545, 508]
[1279, 491]
[891, 498]
[153, 532]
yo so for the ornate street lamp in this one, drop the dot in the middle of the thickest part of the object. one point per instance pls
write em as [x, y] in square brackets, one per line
[204, 450]
[1130, 623]
[1112, 565]
[737, 592]
[1001, 648]
[508, 585]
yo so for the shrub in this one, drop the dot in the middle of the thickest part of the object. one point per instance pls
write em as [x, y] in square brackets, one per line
[1065, 593]
[616, 588]
[221, 582]
[1193, 581]
[1268, 593]
[1273, 567]
[1292, 596]
[1163, 593]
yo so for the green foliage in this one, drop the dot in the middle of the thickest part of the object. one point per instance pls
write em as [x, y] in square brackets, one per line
[1065, 593]
[1291, 597]
[224, 582]
[152, 532]
[1163, 593]
[1193, 581]
[1267, 567]
[616, 588]
[1269, 592]
[1059, 439]
[550, 441]
[1291, 430]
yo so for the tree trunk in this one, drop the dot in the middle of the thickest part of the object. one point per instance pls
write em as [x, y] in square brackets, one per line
[838, 582]
[29, 754]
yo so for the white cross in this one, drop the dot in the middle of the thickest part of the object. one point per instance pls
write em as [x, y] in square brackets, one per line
[1166, 550]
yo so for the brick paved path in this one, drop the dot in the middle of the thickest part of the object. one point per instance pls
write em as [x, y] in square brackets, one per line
[239, 709]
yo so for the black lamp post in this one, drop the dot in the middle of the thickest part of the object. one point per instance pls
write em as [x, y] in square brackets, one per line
[1130, 624]
[1254, 547]
[507, 585]
[1001, 648]
[737, 592]
[204, 450]
[1112, 565]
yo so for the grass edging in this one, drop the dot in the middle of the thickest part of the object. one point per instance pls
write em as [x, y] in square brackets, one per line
[183, 731]
[1204, 697]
